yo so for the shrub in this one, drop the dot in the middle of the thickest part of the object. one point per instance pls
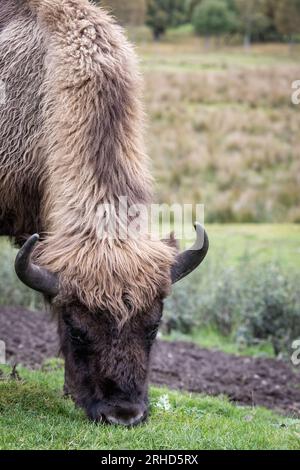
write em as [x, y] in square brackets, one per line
[271, 308]
[163, 14]
[250, 303]
[204, 299]
[213, 17]
[12, 291]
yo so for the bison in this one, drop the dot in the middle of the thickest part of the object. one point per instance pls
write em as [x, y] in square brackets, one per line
[71, 141]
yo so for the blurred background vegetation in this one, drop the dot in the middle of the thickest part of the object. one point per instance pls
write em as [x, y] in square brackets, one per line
[218, 86]
[259, 20]
[222, 131]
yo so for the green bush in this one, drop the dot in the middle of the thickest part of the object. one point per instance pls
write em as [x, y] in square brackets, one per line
[249, 303]
[12, 291]
[271, 307]
[213, 17]
[164, 14]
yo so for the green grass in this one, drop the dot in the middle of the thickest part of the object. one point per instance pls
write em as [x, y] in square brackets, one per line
[185, 54]
[210, 338]
[256, 243]
[263, 243]
[33, 415]
[215, 61]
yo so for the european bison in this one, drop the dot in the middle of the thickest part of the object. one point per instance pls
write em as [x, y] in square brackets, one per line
[70, 142]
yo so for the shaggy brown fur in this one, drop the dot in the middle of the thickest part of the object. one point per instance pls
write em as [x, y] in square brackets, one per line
[71, 140]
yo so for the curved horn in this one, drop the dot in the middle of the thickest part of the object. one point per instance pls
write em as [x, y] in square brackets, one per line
[31, 275]
[190, 259]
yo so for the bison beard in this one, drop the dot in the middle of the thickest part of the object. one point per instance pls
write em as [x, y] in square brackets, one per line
[70, 140]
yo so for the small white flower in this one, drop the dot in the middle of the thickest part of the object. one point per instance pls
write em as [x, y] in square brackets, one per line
[164, 403]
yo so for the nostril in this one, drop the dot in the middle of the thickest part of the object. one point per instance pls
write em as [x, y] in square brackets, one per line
[129, 422]
[129, 416]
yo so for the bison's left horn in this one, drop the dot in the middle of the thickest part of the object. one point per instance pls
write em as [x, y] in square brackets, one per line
[31, 275]
[190, 259]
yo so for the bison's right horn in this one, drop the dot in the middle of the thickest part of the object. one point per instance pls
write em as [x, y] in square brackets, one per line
[31, 275]
[189, 260]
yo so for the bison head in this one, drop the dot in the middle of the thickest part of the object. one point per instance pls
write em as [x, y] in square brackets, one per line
[106, 367]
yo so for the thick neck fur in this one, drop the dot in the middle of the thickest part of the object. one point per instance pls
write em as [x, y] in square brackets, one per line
[88, 151]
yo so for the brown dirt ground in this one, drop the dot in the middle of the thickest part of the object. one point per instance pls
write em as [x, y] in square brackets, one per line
[31, 338]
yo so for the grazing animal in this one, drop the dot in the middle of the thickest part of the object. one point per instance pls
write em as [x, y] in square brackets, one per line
[70, 142]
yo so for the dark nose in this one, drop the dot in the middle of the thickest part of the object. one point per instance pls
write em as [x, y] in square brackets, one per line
[126, 415]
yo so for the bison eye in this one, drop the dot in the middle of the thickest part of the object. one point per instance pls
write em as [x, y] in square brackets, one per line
[152, 332]
[77, 336]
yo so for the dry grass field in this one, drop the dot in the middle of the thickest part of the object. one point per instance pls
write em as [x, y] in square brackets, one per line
[222, 129]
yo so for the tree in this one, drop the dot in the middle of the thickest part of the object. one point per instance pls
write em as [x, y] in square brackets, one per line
[162, 14]
[190, 6]
[253, 19]
[271, 32]
[129, 12]
[287, 18]
[213, 17]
